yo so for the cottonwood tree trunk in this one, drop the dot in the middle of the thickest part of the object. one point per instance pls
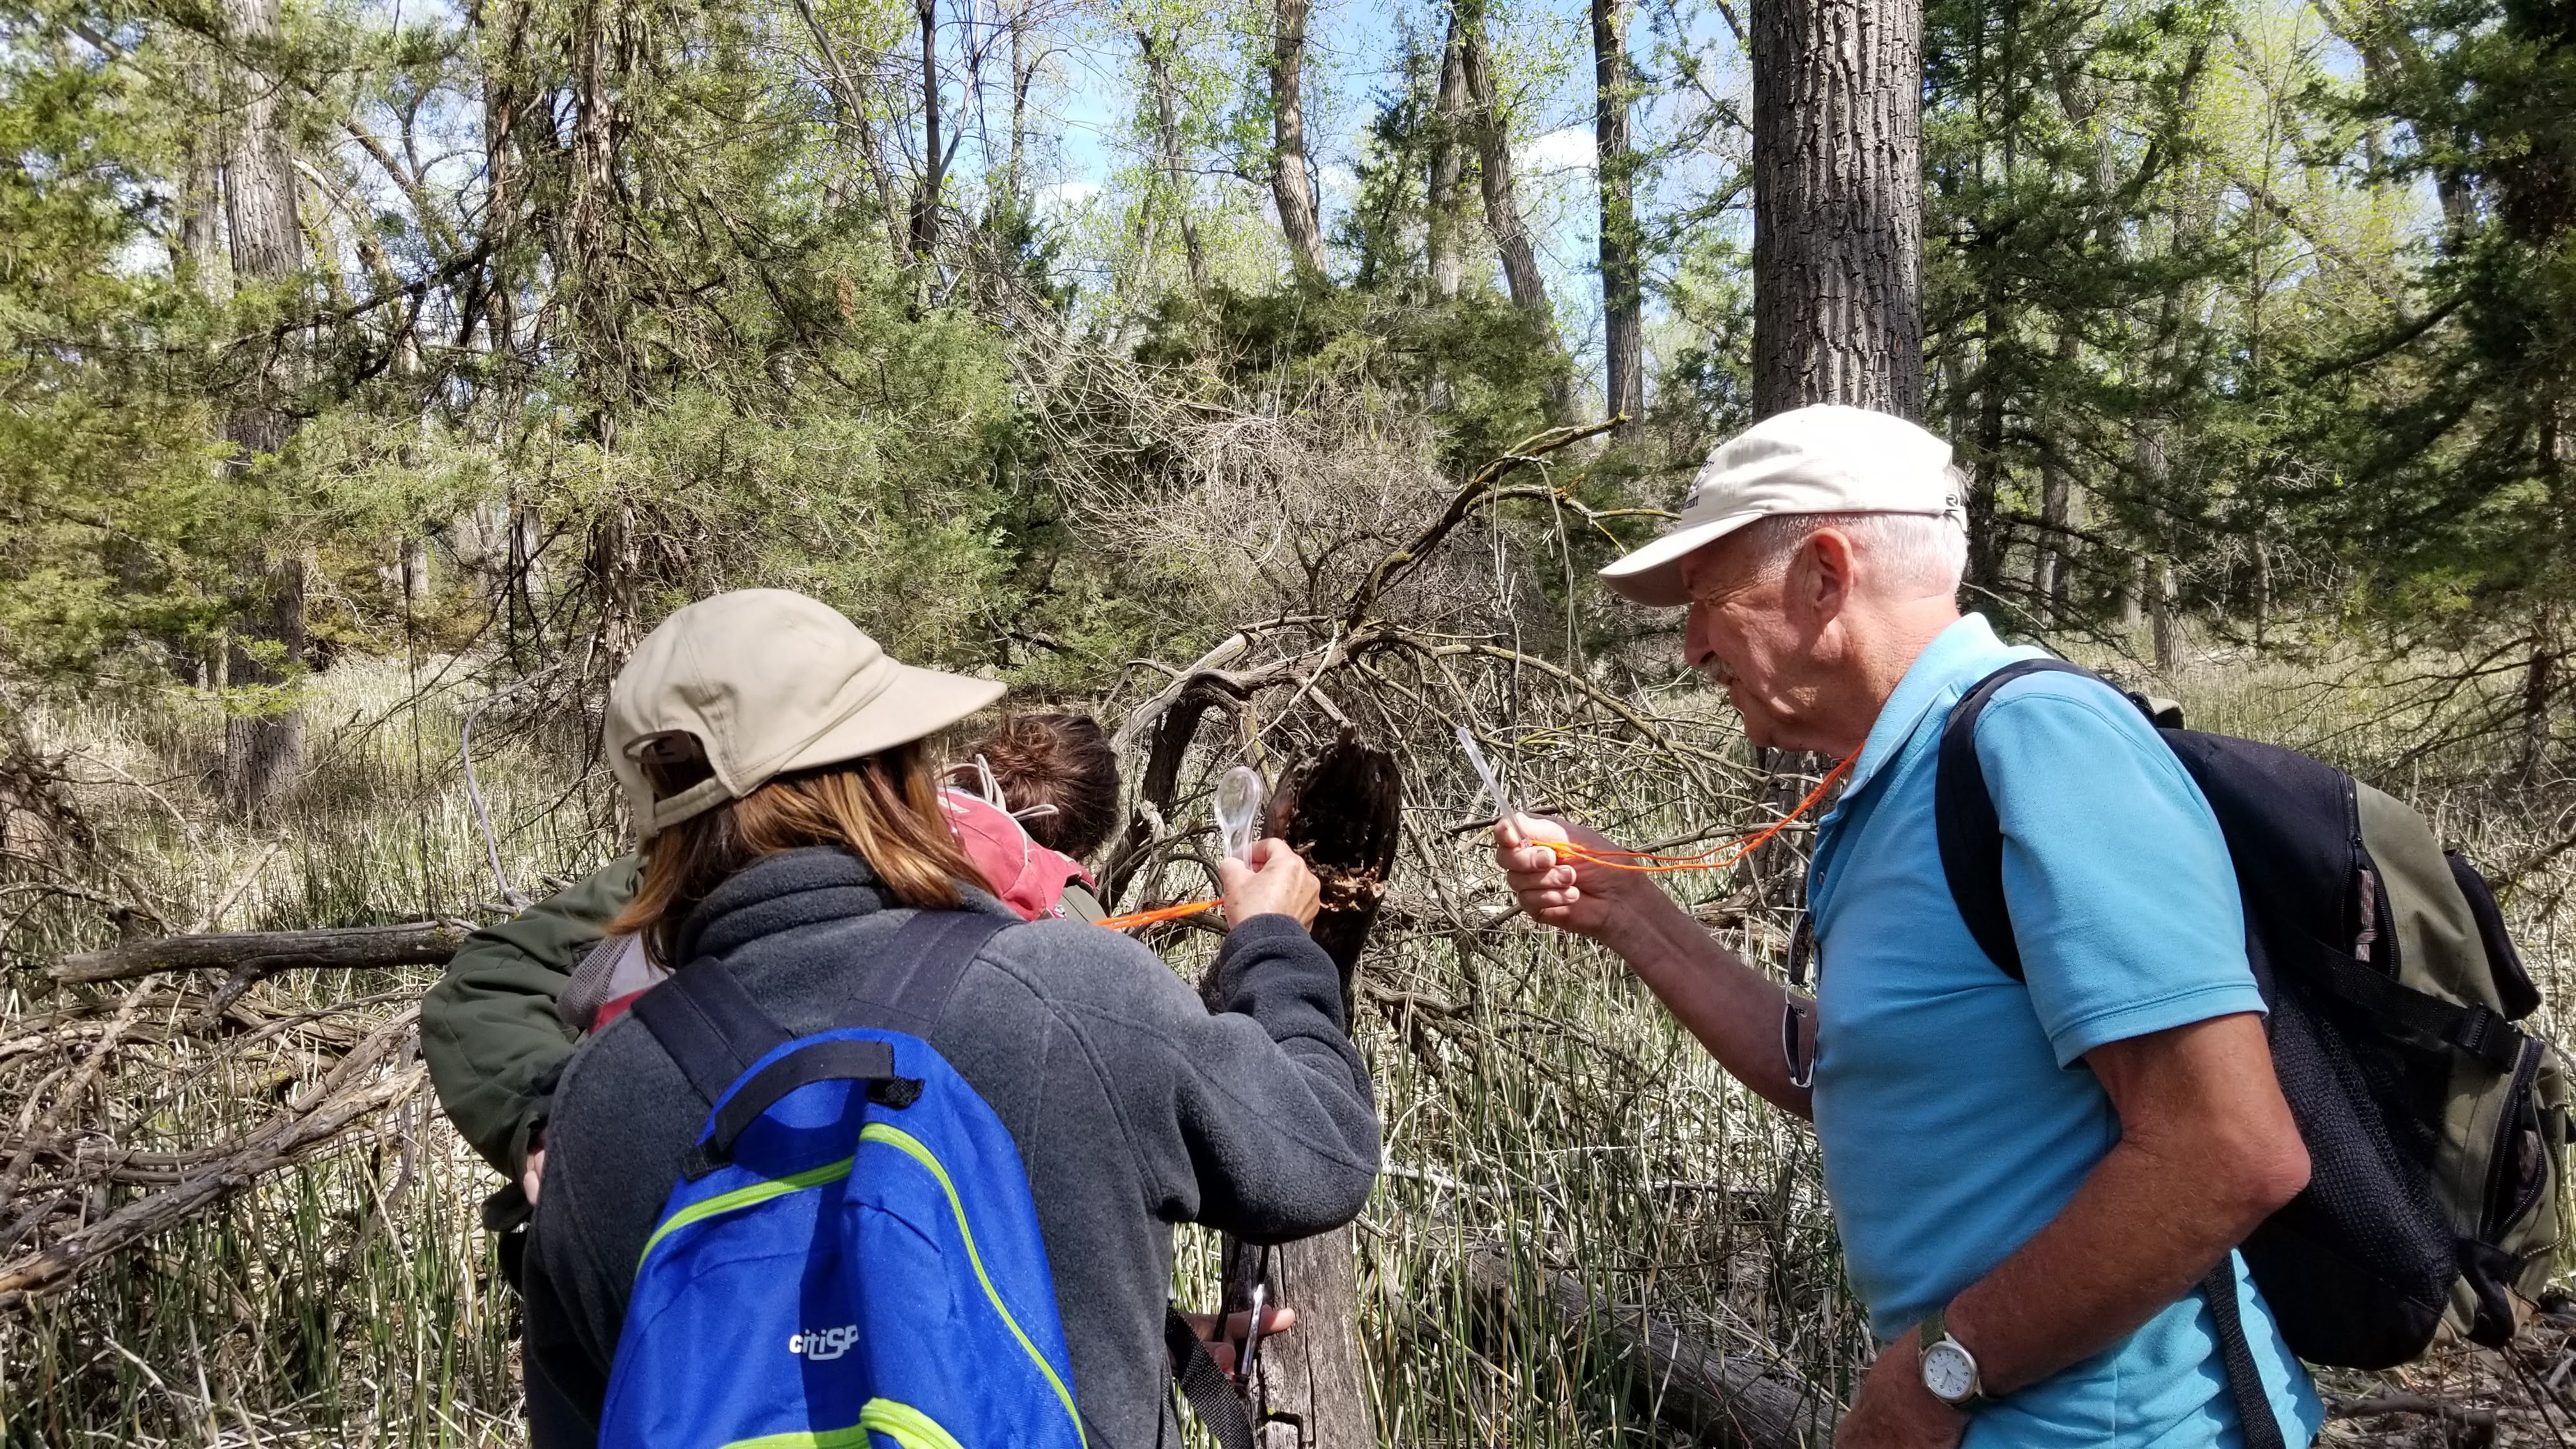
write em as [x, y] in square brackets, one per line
[1838, 204]
[1289, 184]
[1448, 166]
[934, 160]
[1502, 208]
[1615, 169]
[264, 749]
[1167, 141]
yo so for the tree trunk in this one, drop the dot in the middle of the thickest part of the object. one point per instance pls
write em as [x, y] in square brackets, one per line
[1288, 181]
[2539, 690]
[1838, 204]
[1167, 141]
[1615, 169]
[1502, 208]
[2056, 557]
[850, 99]
[1342, 811]
[263, 750]
[2164, 614]
[587, 248]
[934, 161]
[1448, 165]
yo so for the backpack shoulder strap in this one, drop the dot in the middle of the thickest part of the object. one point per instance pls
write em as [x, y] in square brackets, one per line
[709, 1025]
[909, 987]
[1963, 813]
[1211, 1395]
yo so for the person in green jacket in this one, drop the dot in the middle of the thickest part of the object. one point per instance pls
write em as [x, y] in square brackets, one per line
[493, 1030]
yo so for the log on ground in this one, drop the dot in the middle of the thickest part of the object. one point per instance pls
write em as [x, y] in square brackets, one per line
[1717, 1398]
[352, 948]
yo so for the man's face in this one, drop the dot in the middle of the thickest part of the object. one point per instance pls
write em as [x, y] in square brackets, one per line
[1741, 636]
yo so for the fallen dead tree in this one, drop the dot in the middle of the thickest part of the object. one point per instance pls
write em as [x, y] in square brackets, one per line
[380, 1071]
[350, 948]
[1730, 1400]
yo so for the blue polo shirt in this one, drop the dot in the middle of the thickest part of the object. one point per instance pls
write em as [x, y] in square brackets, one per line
[1953, 1105]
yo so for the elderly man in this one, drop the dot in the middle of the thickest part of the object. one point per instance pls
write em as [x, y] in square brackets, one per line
[2031, 1180]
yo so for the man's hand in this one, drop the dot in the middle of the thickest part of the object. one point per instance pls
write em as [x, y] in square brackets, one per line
[532, 1174]
[1275, 1320]
[1569, 894]
[1895, 1411]
[1276, 882]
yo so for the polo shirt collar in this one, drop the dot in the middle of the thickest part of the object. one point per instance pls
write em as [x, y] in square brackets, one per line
[1956, 658]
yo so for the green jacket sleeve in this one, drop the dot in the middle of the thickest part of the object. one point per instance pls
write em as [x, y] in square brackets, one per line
[489, 1029]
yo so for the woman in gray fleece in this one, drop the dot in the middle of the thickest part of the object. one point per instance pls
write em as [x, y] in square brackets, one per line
[1132, 1105]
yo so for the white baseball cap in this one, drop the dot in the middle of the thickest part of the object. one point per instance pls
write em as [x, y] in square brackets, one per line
[762, 682]
[1821, 459]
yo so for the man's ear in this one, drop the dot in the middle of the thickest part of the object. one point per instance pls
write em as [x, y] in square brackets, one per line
[1822, 575]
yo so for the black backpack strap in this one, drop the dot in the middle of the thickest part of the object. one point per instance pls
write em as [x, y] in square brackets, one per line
[1211, 1394]
[909, 985]
[1972, 838]
[709, 1025]
[2258, 1426]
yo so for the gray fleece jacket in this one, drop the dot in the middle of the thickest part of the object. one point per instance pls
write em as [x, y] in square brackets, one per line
[1133, 1107]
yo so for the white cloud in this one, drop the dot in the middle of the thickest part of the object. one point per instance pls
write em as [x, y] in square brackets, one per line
[1067, 196]
[1571, 149]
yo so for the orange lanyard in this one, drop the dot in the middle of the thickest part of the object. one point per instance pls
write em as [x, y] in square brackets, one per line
[1700, 860]
[1133, 919]
[1704, 860]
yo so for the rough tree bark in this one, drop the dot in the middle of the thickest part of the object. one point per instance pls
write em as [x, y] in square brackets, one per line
[1289, 184]
[934, 161]
[345, 948]
[264, 749]
[1342, 811]
[1615, 169]
[1448, 166]
[1157, 54]
[1502, 208]
[2052, 580]
[1838, 204]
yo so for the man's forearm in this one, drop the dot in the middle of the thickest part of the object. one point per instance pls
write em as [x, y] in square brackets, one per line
[2106, 1264]
[1733, 1009]
[2207, 1151]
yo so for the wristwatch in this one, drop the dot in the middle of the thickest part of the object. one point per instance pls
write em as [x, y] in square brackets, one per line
[1949, 1370]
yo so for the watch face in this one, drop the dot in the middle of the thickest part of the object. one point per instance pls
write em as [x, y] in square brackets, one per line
[1948, 1371]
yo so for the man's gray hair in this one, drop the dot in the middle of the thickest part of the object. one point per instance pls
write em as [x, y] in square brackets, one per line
[1922, 553]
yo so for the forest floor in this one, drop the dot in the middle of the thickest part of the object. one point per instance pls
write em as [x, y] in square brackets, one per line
[1537, 1103]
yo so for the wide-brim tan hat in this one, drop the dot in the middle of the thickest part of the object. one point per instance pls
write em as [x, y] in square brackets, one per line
[1821, 459]
[762, 682]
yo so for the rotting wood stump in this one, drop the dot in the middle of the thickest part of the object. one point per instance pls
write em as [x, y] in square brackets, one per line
[1342, 811]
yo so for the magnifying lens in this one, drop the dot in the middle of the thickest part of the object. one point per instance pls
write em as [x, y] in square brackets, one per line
[1239, 794]
[1485, 772]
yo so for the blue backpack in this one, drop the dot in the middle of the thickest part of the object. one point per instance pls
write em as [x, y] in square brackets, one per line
[851, 1256]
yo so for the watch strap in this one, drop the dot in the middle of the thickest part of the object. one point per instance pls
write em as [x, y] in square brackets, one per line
[1936, 1329]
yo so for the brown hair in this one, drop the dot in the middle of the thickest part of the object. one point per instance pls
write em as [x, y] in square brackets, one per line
[884, 809]
[1063, 760]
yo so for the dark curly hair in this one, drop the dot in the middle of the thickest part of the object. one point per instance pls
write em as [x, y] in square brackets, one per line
[1063, 760]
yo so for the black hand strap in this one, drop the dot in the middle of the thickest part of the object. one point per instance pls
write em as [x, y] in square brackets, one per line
[839, 1059]
[2255, 1421]
[1211, 1394]
[709, 1025]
